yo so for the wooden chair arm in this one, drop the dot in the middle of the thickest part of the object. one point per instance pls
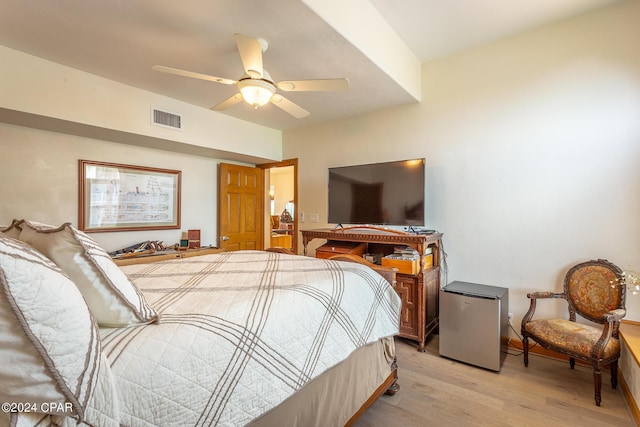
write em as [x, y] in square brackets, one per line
[388, 273]
[615, 315]
[611, 325]
[534, 296]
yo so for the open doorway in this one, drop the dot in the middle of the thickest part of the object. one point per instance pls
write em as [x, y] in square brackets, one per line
[281, 204]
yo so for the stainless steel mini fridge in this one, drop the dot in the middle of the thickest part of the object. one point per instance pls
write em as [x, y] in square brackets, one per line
[474, 324]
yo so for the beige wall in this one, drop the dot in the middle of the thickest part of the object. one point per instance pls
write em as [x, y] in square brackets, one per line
[39, 87]
[39, 181]
[532, 148]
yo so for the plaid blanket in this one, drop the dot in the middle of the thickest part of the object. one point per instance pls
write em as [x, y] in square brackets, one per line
[239, 332]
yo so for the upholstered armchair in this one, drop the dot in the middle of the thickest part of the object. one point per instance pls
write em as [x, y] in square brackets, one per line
[595, 290]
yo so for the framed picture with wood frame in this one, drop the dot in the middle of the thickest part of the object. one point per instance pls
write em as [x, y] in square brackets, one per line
[115, 197]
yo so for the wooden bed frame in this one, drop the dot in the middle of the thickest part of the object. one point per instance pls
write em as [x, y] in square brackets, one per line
[389, 387]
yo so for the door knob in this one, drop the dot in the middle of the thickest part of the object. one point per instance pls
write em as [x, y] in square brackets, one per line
[224, 238]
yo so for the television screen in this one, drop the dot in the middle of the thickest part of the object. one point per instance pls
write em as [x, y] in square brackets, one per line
[390, 193]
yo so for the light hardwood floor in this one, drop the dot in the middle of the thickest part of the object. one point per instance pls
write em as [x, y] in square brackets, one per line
[435, 391]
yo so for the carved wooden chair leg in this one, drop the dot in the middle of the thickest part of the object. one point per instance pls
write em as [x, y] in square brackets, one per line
[614, 374]
[597, 384]
[525, 348]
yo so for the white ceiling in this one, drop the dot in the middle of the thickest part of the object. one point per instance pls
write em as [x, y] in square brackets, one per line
[122, 39]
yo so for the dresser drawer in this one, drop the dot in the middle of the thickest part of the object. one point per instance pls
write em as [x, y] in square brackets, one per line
[333, 247]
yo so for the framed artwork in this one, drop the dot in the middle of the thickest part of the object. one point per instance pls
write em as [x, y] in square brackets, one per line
[116, 197]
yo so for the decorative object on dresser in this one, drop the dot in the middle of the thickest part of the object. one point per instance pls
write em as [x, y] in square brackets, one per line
[184, 241]
[193, 237]
[285, 217]
[591, 290]
[147, 247]
[418, 291]
[407, 259]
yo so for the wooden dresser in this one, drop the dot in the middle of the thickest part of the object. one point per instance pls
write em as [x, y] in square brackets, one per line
[419, 292]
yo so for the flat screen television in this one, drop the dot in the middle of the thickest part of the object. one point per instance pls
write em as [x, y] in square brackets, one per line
[390, 193]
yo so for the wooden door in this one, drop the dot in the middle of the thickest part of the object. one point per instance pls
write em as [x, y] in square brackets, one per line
[240, 207]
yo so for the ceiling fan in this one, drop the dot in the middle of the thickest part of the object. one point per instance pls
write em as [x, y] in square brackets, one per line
[256, 86]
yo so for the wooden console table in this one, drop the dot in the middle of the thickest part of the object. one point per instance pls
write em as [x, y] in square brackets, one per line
[419, 292]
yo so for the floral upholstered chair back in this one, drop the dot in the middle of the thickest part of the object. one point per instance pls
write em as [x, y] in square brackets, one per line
[593, 289]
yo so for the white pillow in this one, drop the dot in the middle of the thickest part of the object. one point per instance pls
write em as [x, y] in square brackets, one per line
[112, 299]
[49, 344]
[13, 230]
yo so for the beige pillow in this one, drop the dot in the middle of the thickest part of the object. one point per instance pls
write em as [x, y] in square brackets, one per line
[49, 345]
[112, 298]
[13, 230]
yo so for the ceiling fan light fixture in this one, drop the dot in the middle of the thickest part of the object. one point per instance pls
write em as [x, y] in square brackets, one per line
[256, 92]
[256, 86]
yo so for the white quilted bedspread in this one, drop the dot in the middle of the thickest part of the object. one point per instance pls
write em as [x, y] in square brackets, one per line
[239, 332]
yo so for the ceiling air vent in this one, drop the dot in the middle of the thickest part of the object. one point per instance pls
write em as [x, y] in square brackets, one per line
[166, 119]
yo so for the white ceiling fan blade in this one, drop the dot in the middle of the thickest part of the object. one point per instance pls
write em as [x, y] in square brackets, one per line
[191, 74]
[288, 106]
[229, 102]
[251, 55]
[313, 85]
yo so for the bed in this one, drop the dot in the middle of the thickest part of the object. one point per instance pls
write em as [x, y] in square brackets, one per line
[239, 338]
